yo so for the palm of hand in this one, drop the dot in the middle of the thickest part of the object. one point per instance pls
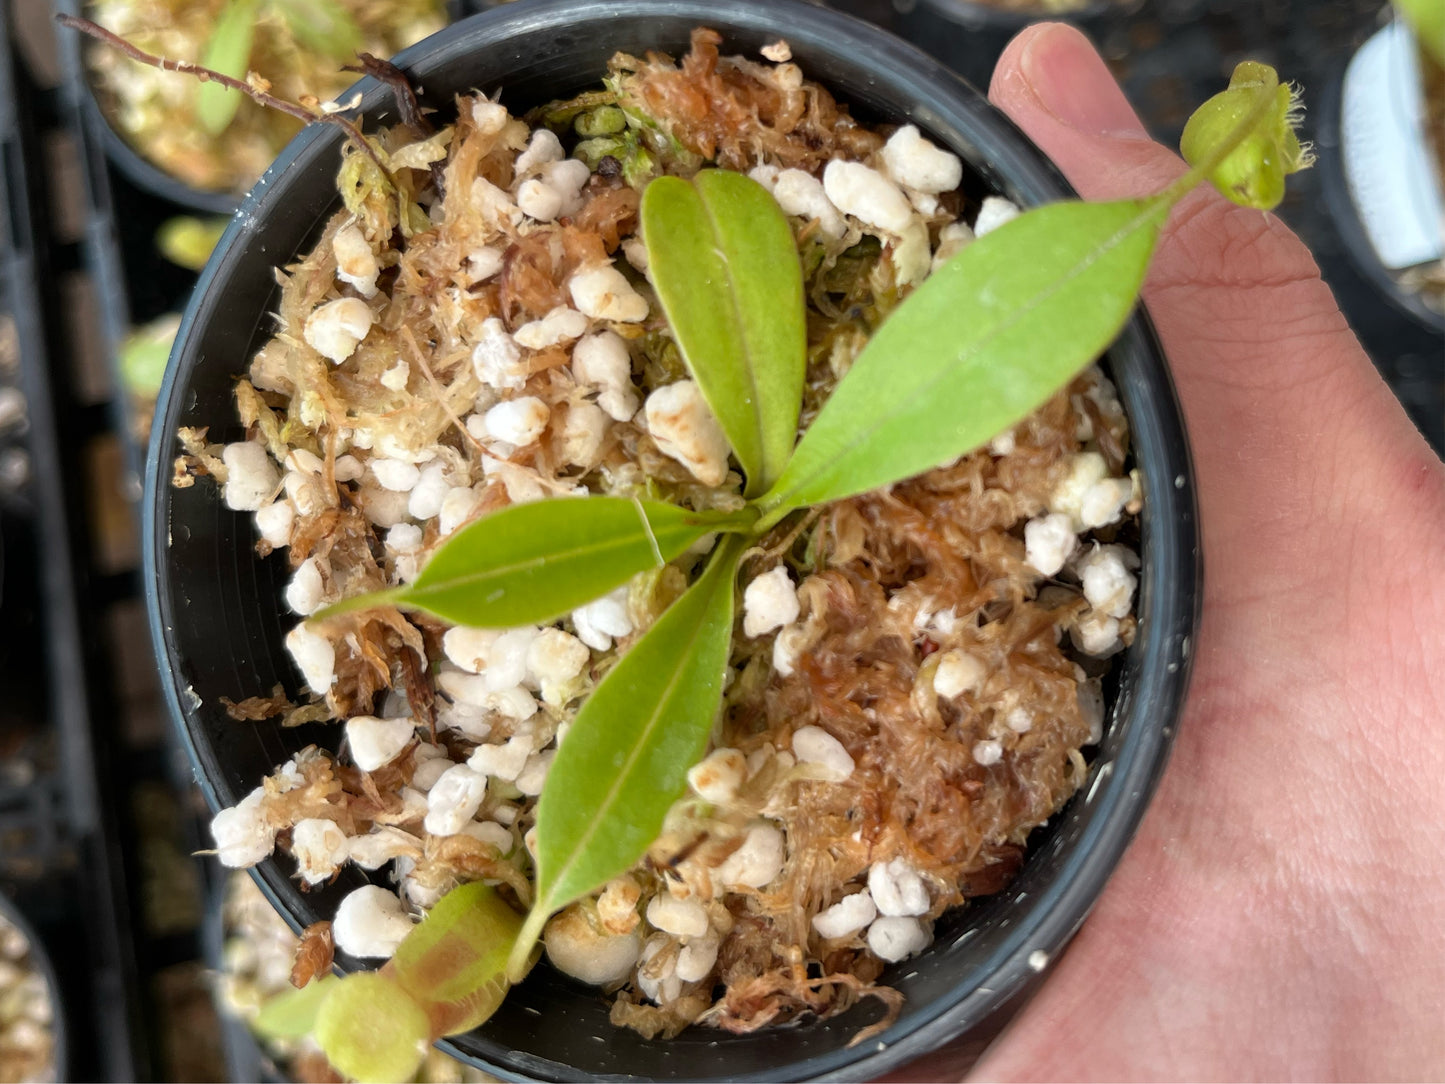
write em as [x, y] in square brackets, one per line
[1279, 913]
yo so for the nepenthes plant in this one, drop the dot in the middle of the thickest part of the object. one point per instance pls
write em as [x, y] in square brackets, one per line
[1012, 318]
[989, 336]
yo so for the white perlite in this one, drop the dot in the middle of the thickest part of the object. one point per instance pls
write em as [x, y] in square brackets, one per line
[916, 163]
[604, 293]
[1108, 583]
[800, 193]
[593, 956]
[898, 889]
[993, 213]
[251, 477]
[314, 657]
[867, 195]
[818, 749]
[518, 422]
[896, 938]
[757, 861]
[770, 602]
[453, 800]
[958, 672]
[847, 916]
[375, 742]
[1048, 541]
[496, 358]
[681, 918]
[319, 848]
[685, 429]
[370, 923]
[335, 328]
[355, 262]
[718, 776]
[243, 836]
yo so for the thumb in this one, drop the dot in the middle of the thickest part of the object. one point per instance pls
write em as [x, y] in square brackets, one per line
[1053, 84]
[1269, 374]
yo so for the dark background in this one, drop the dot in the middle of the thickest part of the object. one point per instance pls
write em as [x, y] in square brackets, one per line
[97, 815]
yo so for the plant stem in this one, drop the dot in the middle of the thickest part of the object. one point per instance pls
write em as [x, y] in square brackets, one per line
[372, 600]
[206, 75]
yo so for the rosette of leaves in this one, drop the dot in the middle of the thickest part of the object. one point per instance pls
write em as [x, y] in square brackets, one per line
[323, 26]
[951, 367]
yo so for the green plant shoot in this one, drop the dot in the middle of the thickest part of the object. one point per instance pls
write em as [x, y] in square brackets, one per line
[953, 365]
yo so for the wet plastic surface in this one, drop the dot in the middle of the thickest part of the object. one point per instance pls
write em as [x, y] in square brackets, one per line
[218, 619]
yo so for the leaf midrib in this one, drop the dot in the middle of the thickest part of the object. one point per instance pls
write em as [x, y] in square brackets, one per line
[1150, 209]
[530, 565]
[745, 338]
[638, 746]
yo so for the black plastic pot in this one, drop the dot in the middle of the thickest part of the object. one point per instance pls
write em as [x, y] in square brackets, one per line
[969, 36]
[218, 620]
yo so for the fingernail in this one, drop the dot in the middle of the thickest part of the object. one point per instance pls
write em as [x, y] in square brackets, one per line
[1073, 83]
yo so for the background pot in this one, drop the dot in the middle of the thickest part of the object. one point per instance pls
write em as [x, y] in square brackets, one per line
[140, 170]
[38, 961]
[218, 620]
[969, 36]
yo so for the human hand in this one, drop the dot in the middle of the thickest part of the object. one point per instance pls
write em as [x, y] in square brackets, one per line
[1279, 914]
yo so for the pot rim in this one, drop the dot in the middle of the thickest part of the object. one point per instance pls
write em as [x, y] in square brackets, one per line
[1121, 780]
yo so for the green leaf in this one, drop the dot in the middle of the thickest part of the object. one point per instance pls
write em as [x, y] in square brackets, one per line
[323, 26]
[982, 343]
[228, 52]
[371, 1029]
[187, 241]
[535, 562]
[144, 354]
[722, 259]
[627, 753]
[455, 963]
[292, 1013]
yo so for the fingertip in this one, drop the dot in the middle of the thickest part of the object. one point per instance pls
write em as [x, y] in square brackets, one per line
[1054, 67]
[1008, 80]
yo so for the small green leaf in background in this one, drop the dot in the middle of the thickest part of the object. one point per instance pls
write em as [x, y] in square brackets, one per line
[983, 342]
[1252, 171]
[187, 241]
[323, 26]
[228, 52]
[144, 354]
[1427, 23]
[371, 1029]
[292, 1013]
[455, 963]
[627, 753]
[723, 261]
[536, 562]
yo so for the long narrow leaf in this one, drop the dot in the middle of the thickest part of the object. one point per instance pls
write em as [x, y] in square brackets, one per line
[535, 562]
[722, 258]
[228, 52]
[981, 344]
[626, 756]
